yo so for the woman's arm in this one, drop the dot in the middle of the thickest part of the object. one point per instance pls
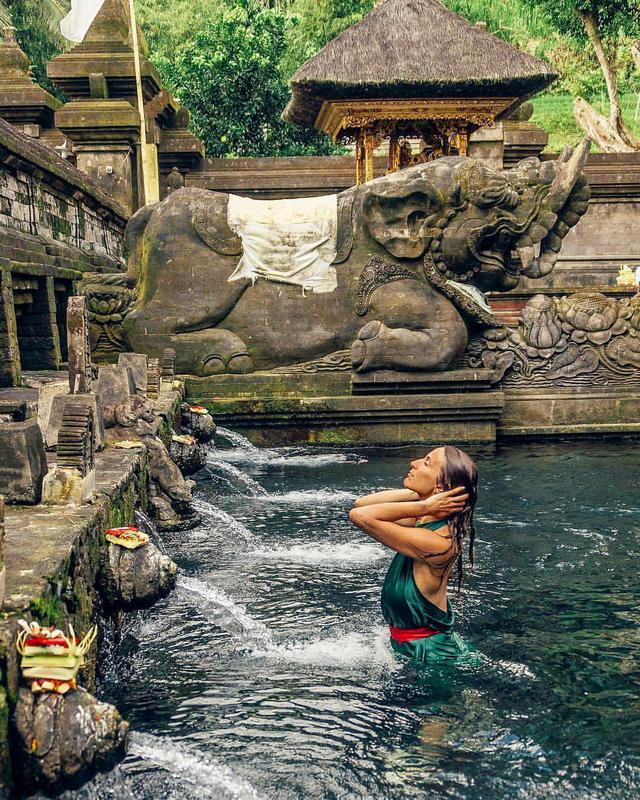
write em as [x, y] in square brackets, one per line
[387, 496]
[381, 522]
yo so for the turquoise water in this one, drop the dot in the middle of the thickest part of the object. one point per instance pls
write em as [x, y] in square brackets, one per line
[268, 674]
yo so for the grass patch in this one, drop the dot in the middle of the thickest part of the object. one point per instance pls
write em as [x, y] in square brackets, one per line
[554, 113]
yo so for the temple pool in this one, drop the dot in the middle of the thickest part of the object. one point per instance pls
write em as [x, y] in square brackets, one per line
[267, 674]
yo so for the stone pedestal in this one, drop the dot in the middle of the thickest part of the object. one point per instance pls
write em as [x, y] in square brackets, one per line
[60, 741]
[135, 578]
[67, 487]
[461, 406]
[114, 385]
[23, 462]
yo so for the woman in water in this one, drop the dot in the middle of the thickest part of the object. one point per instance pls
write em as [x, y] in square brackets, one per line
[426, 524]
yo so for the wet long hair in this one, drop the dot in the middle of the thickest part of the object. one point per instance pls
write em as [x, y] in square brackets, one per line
[459, 469]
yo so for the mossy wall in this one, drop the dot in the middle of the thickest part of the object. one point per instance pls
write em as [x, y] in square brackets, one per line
[70, 596]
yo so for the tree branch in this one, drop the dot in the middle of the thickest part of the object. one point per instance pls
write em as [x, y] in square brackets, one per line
[619, 137]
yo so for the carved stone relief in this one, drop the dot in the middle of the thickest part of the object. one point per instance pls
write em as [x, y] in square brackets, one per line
[583, 339]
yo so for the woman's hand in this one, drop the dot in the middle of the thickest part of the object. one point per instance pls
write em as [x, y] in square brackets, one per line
[445, 504]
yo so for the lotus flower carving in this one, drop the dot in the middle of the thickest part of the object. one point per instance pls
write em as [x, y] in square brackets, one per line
[591, 317]
[542, 327]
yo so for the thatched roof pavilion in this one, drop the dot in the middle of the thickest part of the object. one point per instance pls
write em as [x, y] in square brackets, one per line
[412, 66]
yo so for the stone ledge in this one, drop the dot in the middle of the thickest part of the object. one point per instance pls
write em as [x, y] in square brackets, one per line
[620, 429]
[467, 418]
[39, 540]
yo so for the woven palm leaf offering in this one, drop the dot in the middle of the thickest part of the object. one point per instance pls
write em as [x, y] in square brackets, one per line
[50, 658]
[129, 537]
[198, 410]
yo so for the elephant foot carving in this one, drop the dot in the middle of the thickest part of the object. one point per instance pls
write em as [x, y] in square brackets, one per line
[380, 347]
[211, 352]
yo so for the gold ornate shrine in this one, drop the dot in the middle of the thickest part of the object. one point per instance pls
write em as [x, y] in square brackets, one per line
[443, 124]
[411, 69]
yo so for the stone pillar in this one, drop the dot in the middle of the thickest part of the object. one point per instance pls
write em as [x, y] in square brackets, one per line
[80, 377]
[487, 144]
[10, 371]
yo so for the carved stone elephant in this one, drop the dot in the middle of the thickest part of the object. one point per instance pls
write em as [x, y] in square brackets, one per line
[413, 249]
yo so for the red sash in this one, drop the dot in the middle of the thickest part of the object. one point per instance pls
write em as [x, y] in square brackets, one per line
[411, 634]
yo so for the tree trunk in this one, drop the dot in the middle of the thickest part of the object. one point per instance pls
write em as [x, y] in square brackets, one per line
[612, 135]
[599, 128]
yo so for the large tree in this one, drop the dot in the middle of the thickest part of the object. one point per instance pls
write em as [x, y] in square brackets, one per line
[600, 23]
[227, 74]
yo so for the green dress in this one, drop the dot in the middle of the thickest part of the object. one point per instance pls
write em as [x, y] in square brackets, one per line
[404, 606]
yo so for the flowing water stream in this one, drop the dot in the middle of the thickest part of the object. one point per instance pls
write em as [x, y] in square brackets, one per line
[267, 673]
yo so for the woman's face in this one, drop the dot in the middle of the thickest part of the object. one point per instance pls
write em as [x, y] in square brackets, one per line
[424, 473]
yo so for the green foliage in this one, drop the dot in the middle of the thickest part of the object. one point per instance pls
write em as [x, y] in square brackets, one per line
[553, 30]
[515, 21]
[228, 75]
[611, 16]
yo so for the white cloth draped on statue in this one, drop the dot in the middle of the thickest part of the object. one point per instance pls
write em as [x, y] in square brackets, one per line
[288, 241]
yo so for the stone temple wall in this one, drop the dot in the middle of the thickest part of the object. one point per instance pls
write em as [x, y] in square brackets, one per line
[56, 226]
[32, 206]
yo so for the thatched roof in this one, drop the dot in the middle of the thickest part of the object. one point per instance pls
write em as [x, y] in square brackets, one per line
[417, 49]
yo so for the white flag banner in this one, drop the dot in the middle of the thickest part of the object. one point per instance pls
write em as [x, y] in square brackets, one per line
[78, 21]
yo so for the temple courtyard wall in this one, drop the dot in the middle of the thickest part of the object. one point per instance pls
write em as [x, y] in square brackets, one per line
[56, 225]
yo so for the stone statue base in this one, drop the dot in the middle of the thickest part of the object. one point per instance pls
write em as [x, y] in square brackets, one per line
[277, 409]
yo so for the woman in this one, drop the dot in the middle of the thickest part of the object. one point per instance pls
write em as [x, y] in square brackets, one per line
[426, 524]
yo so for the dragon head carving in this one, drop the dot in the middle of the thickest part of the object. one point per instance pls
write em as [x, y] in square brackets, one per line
[479, 225]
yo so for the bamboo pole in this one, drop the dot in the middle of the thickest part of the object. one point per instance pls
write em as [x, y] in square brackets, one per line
[149, 154]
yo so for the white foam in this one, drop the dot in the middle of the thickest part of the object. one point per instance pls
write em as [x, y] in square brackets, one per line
[308, 496]
[348, 650]
[236, 439]
[222, 611]
[517, 669]
[313, 553]
[232, 526]
[209, 778]
[235, 477]
[244, 450]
